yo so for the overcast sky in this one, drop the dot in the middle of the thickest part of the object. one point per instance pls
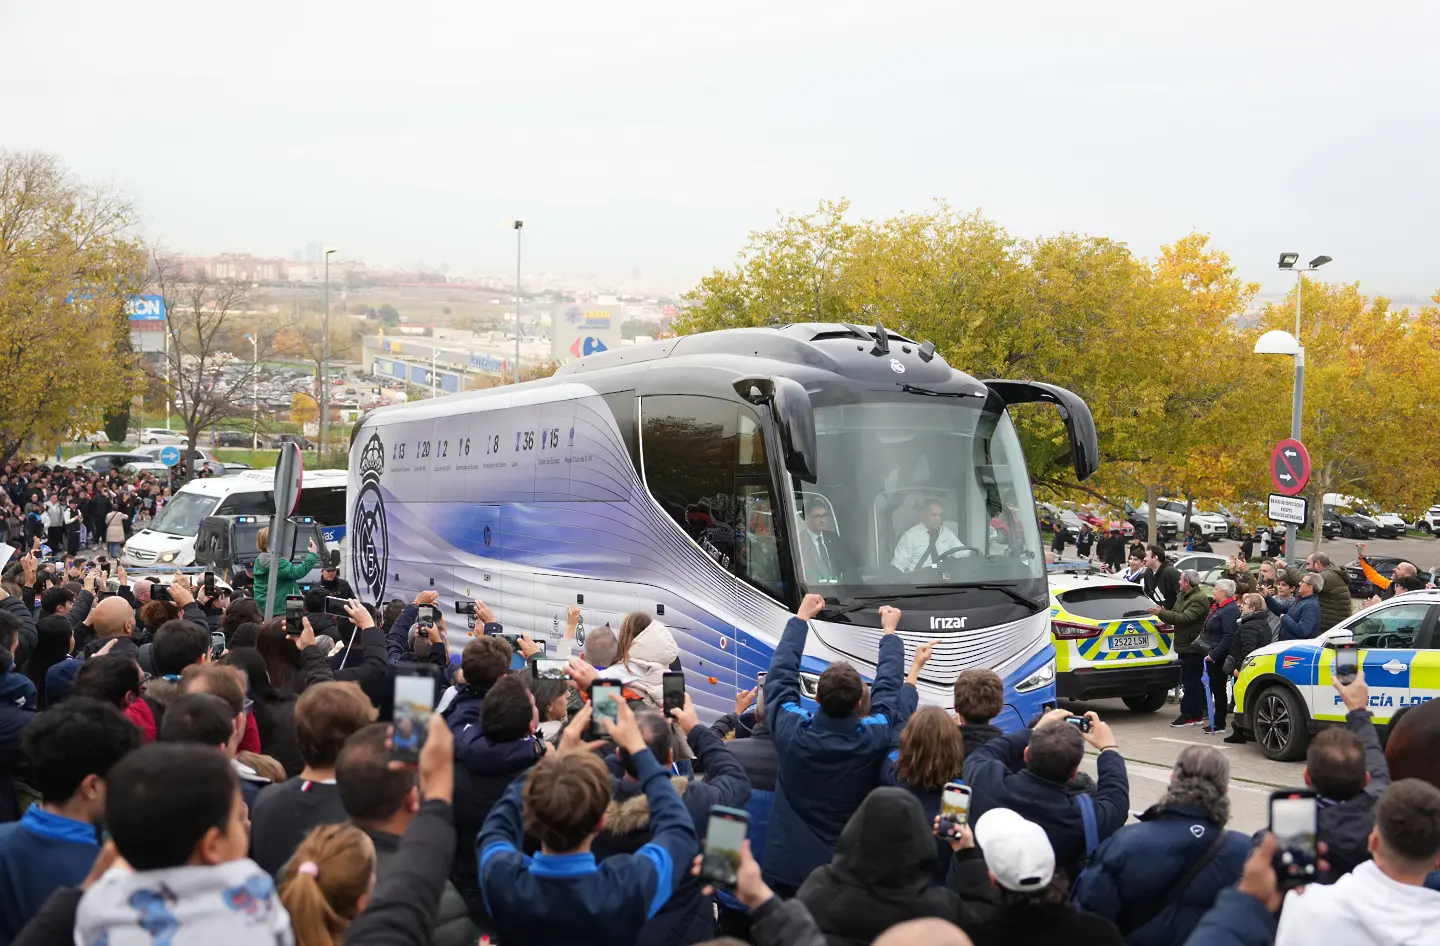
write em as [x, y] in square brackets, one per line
[653, 137]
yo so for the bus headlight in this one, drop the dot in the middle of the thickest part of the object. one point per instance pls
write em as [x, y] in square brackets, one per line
[1042, 677]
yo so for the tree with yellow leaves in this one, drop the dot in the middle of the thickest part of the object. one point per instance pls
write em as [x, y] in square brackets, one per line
[69, 263]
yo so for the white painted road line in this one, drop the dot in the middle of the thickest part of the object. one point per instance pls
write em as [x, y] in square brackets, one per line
[1189, 742]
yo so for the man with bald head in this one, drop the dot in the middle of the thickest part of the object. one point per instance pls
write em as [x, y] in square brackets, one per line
[929, 931]
[112, 617]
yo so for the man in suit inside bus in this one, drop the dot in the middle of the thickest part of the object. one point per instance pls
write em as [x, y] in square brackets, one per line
[821, 551]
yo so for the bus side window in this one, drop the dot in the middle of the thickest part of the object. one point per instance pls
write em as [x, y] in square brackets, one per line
[705, 465]
[622, 406]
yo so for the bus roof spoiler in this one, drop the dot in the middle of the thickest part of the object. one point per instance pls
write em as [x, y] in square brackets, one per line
[1079, 424]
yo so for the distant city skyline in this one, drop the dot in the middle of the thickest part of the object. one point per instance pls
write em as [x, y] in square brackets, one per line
[641, 144]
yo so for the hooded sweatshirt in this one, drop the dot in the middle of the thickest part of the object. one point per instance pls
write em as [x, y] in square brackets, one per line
[231, 904]
[883, 873]
[652, 653]
[1364, 907]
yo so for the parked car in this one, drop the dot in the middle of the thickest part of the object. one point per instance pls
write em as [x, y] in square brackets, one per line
[1360, 586]
[1165, 524]
[233, 438]
[1234, 524]
[106, 461]
[1051, 516]
[1352, 525]
[1102, 524]
[1390, 526]
[146, 465]
[1430, 522]
[232, 468]
[296, 439]
[94, 437]
[214, 465]
[163, 435]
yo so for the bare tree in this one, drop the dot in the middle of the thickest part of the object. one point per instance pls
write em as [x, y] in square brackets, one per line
[303, 337]
[209, 371]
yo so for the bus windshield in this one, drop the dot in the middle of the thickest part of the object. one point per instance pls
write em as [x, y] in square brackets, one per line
[916, 493]
[183, 513]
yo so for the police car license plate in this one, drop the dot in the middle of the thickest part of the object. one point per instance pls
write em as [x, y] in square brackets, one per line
[1130, 642]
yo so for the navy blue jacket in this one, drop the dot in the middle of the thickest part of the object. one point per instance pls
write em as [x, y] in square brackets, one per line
[38, 854]
[1299, 617]
[397, 643]
[569, 898]
[1220, 629]
[1238, 919]
[827, 765]
[17, 709]
[1138, 865]
[689, 916]
[998, 778]
[480, 781]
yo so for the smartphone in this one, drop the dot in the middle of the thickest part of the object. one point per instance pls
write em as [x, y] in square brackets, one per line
[604, 704]
[1347, 662]
[294, 615]
[724, 837]
[427, 615]
[217, 644]
[209, 584]
[414, 701]
[1294, 817]
[336, 607]
[464, 607]
[673, 691]
[548, 668]
[760, 681]
[106, 569]
[1081, 723]
[159, 592]
[954, 809]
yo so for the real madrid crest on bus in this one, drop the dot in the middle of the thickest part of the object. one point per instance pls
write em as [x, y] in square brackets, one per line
[369, 537]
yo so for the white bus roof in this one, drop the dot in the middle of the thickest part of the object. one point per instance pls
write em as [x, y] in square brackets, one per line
[256, 481]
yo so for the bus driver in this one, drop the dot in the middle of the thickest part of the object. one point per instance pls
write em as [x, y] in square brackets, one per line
[922, 544]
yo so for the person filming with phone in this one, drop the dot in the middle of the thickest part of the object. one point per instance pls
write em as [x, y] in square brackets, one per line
[562, 894]
[1028, 770]
[1348, 769]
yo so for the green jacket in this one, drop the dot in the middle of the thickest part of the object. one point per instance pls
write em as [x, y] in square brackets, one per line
[1188, 617]
[286, 578]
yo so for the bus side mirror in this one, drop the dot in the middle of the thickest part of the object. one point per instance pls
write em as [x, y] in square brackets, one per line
[796, 422]
[1079, 424]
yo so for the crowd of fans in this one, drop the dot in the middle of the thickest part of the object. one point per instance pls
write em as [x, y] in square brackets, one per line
[178, 770]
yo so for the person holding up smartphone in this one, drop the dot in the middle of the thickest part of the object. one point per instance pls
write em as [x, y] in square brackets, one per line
[565, 799]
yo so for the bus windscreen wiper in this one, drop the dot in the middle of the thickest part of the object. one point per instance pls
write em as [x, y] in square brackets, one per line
[988, 586]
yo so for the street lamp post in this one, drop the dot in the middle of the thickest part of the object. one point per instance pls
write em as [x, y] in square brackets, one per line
[254, 393]
[519, 224]
[325, 365]
[1270, 345]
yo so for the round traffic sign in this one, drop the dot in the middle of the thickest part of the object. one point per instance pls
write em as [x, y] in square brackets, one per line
[170, 456]
[1290, 467]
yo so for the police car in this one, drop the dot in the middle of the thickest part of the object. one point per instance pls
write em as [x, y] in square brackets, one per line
[1284, 694]
[1107, 644]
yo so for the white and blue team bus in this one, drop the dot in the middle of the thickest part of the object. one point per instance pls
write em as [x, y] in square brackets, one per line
[688, 478]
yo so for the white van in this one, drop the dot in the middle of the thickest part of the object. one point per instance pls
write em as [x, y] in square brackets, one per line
[170, 540]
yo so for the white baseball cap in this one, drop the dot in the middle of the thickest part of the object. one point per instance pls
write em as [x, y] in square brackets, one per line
[1016, 851]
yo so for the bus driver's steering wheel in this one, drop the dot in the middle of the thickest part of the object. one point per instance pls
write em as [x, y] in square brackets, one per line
[945, 556]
